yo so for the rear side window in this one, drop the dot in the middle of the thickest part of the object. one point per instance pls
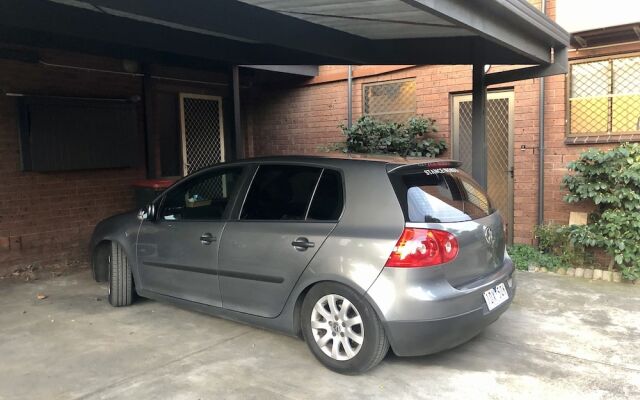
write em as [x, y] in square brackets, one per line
[441, 196]
[328, 199]
[280, 192]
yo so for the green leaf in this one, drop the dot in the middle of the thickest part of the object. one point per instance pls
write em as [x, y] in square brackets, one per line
[610, 179]
[368, 135]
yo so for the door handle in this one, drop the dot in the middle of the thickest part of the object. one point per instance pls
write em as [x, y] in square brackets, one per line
[511, 171]
[302, 243]
[207, 238]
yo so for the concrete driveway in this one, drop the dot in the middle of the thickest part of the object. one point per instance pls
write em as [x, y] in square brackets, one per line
[562, 338]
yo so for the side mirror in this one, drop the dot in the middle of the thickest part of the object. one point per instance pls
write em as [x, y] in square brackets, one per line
[147, 213]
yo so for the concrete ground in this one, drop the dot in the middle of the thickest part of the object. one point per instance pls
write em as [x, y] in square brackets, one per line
[562, 338]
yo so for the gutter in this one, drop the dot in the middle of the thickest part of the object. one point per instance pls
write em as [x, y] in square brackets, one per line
[362, 72]
[531, 17]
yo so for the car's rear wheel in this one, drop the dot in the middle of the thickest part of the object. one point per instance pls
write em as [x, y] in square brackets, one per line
[341, 329]
[120, 279]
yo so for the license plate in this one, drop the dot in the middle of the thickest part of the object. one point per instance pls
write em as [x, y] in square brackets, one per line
[496, 296]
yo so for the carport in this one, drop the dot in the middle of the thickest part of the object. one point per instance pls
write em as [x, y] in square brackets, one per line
[292, 37]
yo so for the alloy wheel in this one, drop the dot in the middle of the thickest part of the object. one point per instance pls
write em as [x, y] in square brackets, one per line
[337, 327]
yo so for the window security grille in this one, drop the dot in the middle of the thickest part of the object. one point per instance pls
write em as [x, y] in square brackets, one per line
[202, 131]
[202, 143]
[393, 101]
[498, 143]
[499, 137]
[604, 97]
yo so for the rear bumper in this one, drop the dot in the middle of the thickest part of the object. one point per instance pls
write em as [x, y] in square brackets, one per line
[416, 338]
[425, 316]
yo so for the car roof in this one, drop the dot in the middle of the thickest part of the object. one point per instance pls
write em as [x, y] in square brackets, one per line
[394, 166]
[313, 159]
[391, 164]
[348, 160]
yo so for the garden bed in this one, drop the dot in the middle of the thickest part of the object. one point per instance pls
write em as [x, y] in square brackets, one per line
[564, 260]
[584, 273]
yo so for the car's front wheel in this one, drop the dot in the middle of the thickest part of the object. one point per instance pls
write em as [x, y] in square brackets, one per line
[120, 278]
[342, 329]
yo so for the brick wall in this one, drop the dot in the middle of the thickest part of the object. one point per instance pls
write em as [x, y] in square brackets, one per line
[48, 217]
[296, 120]
[558, 154]
[300, 120]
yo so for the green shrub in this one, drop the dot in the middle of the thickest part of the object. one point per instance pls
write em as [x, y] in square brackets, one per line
[369, 135]
[557, 240]
[523, 254]
[611, 180]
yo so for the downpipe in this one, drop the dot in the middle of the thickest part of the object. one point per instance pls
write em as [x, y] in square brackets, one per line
[349, 96]
[541, 111]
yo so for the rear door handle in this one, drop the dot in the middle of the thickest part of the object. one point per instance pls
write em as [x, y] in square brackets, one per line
[302, 243]
[207, 238]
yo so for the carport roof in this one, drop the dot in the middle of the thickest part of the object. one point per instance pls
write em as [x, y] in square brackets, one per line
[291, 32]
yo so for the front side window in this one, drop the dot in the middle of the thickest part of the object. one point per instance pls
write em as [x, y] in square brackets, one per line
[203, 197]
[604, 97]
[442, 197]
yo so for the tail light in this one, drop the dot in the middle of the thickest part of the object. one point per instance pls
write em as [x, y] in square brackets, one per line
[423, 248]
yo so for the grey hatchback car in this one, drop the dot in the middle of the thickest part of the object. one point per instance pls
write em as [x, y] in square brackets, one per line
[355, 256]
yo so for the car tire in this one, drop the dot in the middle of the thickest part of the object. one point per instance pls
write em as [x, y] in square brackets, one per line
[120, 278]
[351, 357]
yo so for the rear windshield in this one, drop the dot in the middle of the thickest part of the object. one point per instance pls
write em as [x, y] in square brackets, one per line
[440, 195]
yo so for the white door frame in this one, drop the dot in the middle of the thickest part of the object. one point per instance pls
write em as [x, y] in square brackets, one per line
[183, 139]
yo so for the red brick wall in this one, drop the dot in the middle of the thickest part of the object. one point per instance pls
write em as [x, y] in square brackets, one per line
[297, 120]
[558, 154]
[48, 217]
[302, 119]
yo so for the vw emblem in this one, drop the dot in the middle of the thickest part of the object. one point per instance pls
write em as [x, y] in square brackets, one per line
[488, 236]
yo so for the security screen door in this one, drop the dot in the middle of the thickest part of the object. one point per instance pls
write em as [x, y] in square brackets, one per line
[499, 147]
[201, 130]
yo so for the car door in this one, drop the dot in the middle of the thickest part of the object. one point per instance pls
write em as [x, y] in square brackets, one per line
[178, 250]
[287, 214]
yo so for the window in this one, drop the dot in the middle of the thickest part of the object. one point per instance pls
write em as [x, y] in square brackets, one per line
[393, 101]
[443, 197]
[280, 192]
[62, 134]
[328, 199]
[605, 97]
[204, 197]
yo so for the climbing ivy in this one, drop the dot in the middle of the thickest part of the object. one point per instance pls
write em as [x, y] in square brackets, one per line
[611, 180]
